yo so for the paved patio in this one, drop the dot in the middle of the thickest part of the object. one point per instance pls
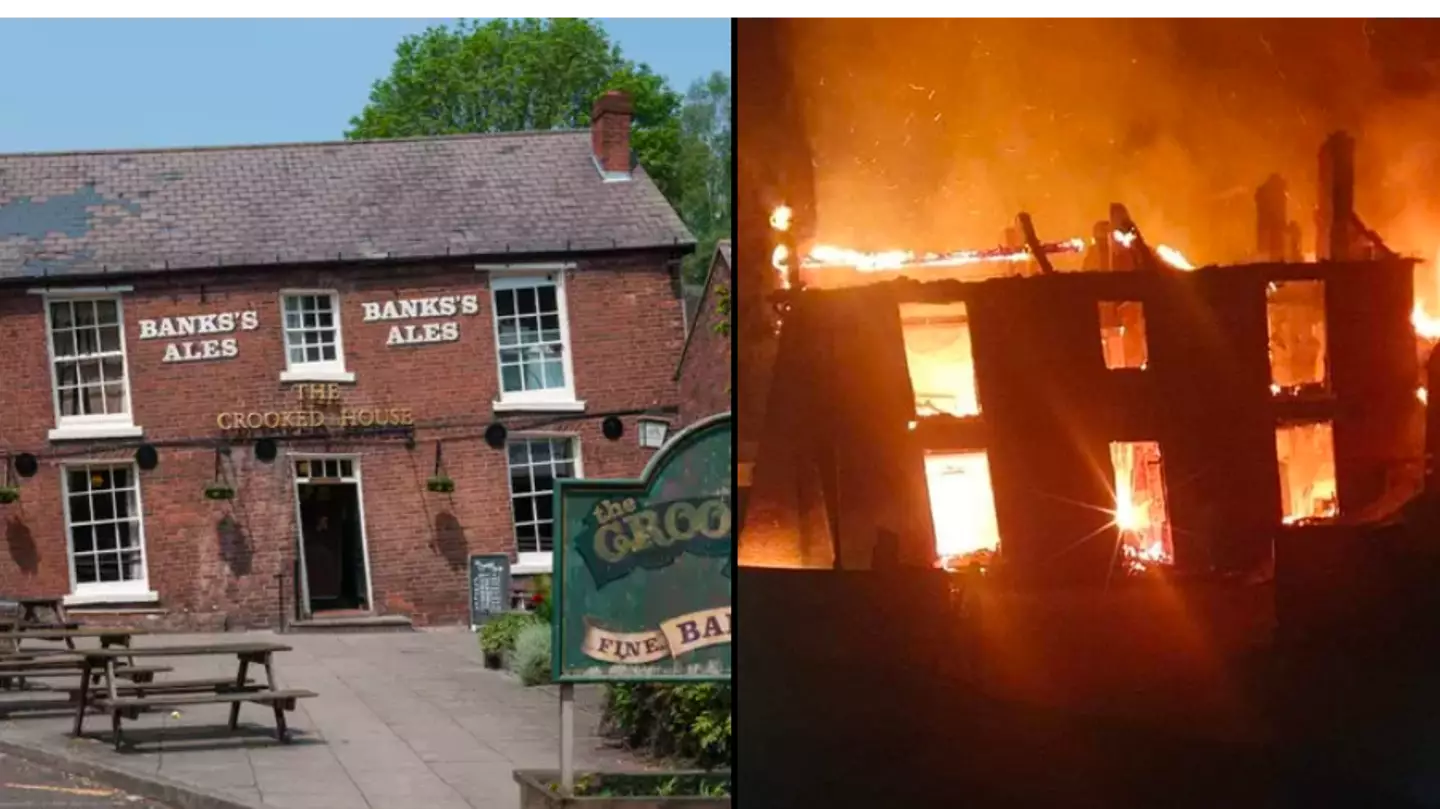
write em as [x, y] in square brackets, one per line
[402, 720]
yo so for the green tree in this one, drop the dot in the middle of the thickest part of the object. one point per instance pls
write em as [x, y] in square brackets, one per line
[703, 179]
[514, 75]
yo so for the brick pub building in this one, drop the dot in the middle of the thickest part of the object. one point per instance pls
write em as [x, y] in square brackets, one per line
[375, 308]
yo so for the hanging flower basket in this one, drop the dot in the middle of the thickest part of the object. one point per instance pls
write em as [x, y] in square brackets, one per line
[219, 491]
[9, 494]
[440, 483]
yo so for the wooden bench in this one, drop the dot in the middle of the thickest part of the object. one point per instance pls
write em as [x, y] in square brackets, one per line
[107, 694]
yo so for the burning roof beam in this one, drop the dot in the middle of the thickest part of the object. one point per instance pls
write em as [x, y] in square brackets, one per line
[1032, 242]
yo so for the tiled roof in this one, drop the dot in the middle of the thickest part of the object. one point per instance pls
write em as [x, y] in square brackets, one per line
[484, 195]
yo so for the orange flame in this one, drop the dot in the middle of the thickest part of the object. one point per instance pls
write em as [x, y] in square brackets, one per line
[1173, 257]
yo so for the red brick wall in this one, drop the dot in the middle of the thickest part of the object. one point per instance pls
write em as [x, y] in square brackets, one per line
[704, 372]
[215, 563]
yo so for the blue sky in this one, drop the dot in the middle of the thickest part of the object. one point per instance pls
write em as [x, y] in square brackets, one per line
[114, 84]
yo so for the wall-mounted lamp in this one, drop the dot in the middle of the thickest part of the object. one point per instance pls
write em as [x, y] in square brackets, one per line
[653, 432]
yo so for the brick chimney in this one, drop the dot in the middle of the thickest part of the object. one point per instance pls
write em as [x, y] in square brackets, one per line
[610, 134]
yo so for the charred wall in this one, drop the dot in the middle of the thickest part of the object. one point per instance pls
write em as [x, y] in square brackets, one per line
[1051, 408]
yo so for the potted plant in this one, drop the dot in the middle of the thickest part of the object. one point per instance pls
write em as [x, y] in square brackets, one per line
[440, 483]
[219, 491]
[9, 494]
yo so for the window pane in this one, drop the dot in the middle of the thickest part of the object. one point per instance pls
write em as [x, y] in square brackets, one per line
[540, 451]
[554, 374]
[519, 452]
[312, 353]
[544, 508]
[120, 477]
[326, 320]
[565, 469]
[83, 538]
[107, 313]
[504, 302]
[124, 507]
[529, 329]
[112, 369]
[60, 315]
[131, 565]
[84, 313]
[89, 371]
[546, 536]
[292, 304]
[292, 320]
[80, 507]
[110, 338]
[109, 564]
[510, 378]
[128, 535]
[524, 509]
[79, 480]
[547, 299]
[85, 570]
[550, 327]
[525, 539]
[520, 480]
[509, 333]
[534, 377]
[105, 536]
[87, 341]
[64, 343]
[525, 301]
[544, 478]
[93, 403]
[103, 505]
[328, 352]
[561, 448]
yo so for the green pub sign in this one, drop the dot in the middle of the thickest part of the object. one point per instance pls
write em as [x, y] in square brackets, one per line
[643, 567]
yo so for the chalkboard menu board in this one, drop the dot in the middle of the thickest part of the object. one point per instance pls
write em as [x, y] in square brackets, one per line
[489, 586]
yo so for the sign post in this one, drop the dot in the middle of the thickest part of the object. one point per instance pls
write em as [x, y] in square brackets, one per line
[643, 569]
[489, 586]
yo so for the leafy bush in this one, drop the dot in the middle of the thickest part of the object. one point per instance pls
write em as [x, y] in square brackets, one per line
[690, 722]
[497, 635]
[531, 658]
[540, 604]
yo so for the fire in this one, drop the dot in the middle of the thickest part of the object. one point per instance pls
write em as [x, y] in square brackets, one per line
[1173, 257]
[1422, 395]
[1426, 326]
[780, 257]
[1140, 512]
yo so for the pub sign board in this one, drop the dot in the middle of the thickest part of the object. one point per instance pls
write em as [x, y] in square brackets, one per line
[489, 586]
[643, 568]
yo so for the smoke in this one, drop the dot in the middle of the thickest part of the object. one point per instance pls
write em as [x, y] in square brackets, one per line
[933, 134]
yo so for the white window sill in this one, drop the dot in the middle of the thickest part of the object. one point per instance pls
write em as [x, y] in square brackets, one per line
[86, 599]
[84, 432]
[539, 407]
[531, 568]
[316, 375]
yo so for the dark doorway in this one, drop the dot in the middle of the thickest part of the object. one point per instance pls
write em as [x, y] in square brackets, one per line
[330, 532]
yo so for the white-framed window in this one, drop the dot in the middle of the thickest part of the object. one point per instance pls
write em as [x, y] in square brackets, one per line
[89, 377]
[106, 532]
[536, 462]
[314, 348]
[532, 342]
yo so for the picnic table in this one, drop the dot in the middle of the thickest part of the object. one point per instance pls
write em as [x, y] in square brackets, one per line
[21, 664]
[108, 636]
[174, 694]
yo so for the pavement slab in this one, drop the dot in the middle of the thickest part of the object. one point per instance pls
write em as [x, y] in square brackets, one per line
[402, 720]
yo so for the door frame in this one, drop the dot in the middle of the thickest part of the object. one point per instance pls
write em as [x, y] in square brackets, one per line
[358, 481]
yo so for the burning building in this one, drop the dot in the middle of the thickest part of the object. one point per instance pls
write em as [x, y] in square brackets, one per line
[1128, 412]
